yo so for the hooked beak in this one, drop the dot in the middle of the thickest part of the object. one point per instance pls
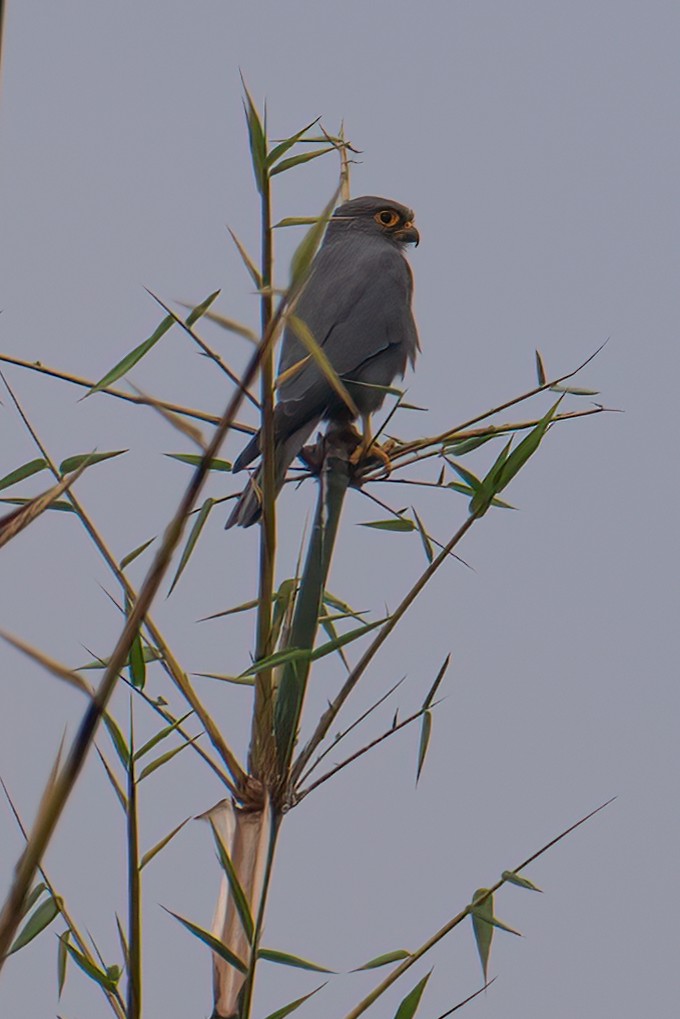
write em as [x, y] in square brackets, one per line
[408, 234]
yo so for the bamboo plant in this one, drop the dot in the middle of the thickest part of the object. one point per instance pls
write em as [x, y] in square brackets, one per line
[298, 622]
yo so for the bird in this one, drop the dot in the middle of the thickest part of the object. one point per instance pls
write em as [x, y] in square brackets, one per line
[356, 302]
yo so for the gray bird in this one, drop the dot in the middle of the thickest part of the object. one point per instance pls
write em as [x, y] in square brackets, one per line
[357, 304]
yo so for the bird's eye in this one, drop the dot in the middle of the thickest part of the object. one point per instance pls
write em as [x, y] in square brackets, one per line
[387, 217]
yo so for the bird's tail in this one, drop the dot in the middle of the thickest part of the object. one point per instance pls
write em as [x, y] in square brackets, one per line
[248, 508]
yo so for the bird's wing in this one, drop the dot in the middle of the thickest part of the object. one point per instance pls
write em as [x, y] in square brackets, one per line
[356, 305]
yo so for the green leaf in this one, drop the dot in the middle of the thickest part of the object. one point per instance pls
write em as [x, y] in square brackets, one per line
[62, 960]
[32, 898]
[245, 607]
[317, 353]
[161, 735]
[540, 369]
[468, 477]
[158, 762]
[281, 1013]
[467, 445]
[131, 359]
[25, 471]
[303, 157]
[211, 941]
[223, 678]
[424, 537]
[438, 678]
[41, 918]
[238, 895]
[296, 221]
[521, 882]
[194, 535]
[283, 146]
[393, 524]
[482, 928]
[120, 795]
[252, 269]
[409, 1005]
[72, 463]
[201, 308]
[256, 137]
[119, 744]
[58, 504]
[149, 855]
[93, 972]
[574, 391]
[302, 654]
[425, 731]
[131, 556]
[151, 654]
[286, 959]
[194, 459]
[384, 960]
[306, 249]
[136, 663]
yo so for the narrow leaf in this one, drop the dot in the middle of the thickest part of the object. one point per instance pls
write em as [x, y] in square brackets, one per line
[306, 249]
[540, 369]
[438, 678]
[467, 445]
[425, 731]
[283, 146]
[256, 137]
[131, 556]
[521, 882]
[409, 1005]
[212, 942]
[393, 524]
[201, 308]
[62, 961]
[238, 895]
[136, 663]
[72, 463]
[384, 960]
[316, 352]
[119, 744]
[468, 477]
[133, 358]
[303, 157]
[286, 959]
[149, 855]
[32, 898]
[194, 535]
[93, 972]
[424, 537]
[37, 922]
[158, 762]
[194, 460]
[574, 391]
[281, 1013]
[482, 928]
[25, 471]
[253, 271]
[160, 735]
[115, 785]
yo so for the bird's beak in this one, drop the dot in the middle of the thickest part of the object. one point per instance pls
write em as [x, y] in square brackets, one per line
[408, 234]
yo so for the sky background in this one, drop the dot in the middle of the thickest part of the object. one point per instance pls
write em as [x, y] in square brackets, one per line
[537, 142]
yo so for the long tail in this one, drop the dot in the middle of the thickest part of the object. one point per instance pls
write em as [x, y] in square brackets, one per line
[248, 508]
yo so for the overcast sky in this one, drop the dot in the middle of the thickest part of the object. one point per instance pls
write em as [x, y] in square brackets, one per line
[537, 142]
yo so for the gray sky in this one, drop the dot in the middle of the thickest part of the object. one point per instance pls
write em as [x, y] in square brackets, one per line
[537, 143]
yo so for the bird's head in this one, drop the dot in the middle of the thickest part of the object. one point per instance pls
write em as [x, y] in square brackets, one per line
[375, 216]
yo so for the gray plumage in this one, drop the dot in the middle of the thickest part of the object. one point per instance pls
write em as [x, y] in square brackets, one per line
[357, 304]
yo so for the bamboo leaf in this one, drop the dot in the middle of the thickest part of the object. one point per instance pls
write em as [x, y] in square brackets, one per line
[281, 1013]
[384, 960]
[425, 731]
[521, 882]
[574, 391]
[283, 146]
[467, 445]
[302, 654]
[151, 654]
[316, 352]
[212, 942]
[424, 537]
[158, 762]
[483, 931]
[116, 736]
[137, 664]
[149, 855]
[540, 369]
[93, 972]
[194, 535]
[237, 680]
[306, 249]
[253, 271]
[409, 1005]
[72, 463]
[201, 308]
[62, 961]
[131, 556]
[32, 898]
[238, 895]
[25, 471]
[120, 795]
[256, 137]
[194, 460]
[296, 221]
[303, 157]
[393, 524]
[286, 959]
[232, 326]
[468, 477]
[133, 358]
[160, 735]
[245, 607]
[41, 918]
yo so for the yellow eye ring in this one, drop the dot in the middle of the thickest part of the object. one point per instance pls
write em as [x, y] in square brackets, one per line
[387, 218]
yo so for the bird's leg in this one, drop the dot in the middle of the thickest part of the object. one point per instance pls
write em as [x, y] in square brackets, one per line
[369, 448]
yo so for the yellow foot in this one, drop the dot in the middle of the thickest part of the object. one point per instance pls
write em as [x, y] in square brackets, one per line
[374, 451]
